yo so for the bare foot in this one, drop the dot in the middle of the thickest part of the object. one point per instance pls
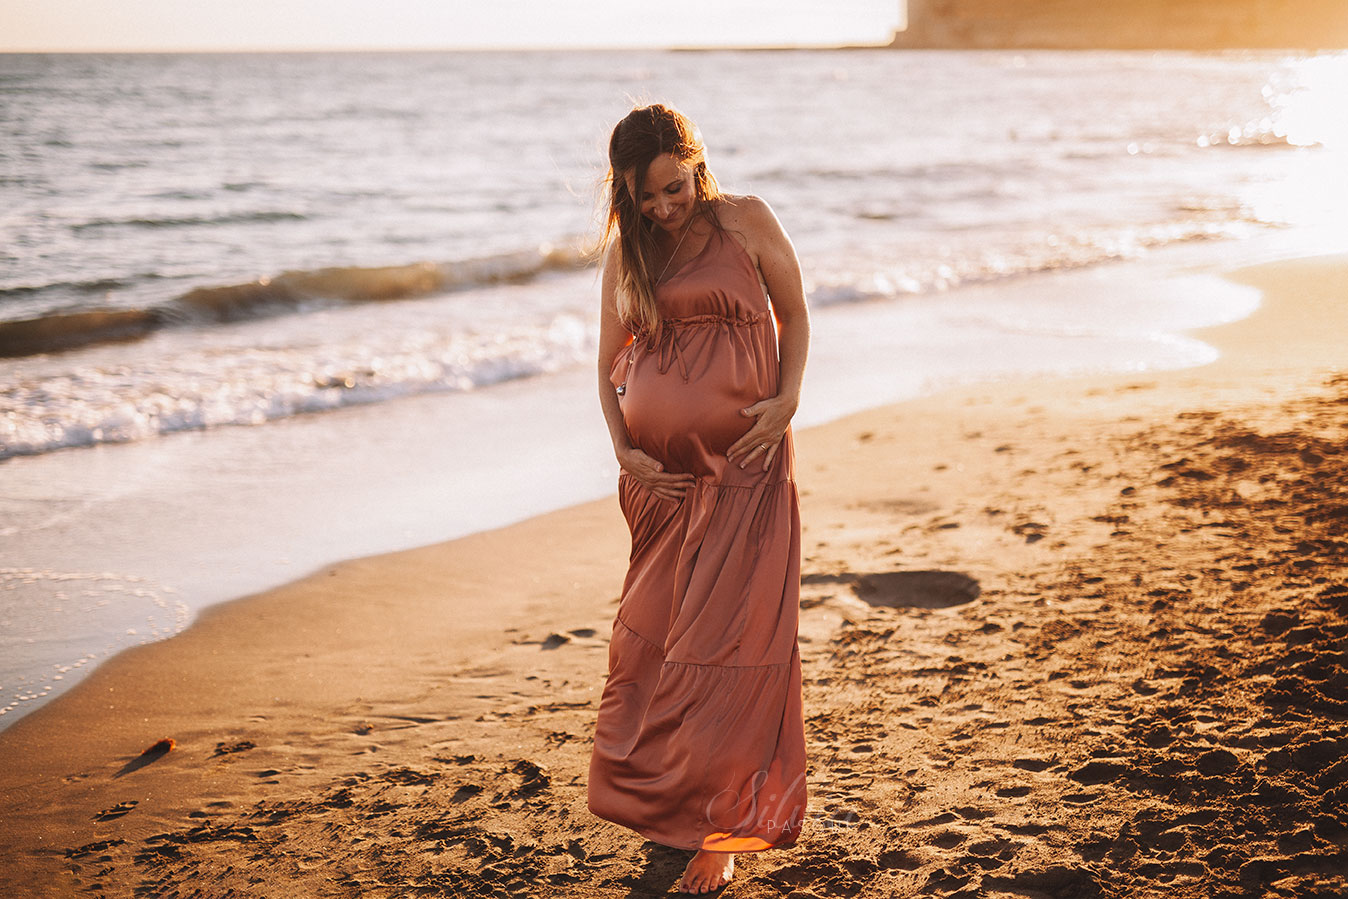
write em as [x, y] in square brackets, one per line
[707, 871]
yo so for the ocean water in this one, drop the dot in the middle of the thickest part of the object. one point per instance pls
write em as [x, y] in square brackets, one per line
[198, 251]
[371, 205]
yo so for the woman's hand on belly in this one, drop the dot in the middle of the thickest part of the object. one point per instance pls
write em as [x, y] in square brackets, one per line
[773, 417]
[652, 475]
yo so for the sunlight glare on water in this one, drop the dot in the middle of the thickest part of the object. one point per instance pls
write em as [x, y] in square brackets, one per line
[1313, 108]
[1309, 110]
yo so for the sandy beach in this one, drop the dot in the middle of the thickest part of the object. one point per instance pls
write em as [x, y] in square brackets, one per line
[1060, 638]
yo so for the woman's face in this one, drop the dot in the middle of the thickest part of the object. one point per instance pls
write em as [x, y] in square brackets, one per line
[668, 196]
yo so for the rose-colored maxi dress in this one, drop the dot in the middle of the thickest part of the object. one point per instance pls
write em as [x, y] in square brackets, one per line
[700, 741]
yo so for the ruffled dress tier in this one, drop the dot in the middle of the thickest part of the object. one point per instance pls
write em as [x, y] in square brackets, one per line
[700, 741]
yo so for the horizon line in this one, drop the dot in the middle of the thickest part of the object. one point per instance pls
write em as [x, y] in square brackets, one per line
[492, 48]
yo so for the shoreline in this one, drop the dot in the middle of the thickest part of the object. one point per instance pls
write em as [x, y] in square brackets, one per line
[364, 480]
[352, 696]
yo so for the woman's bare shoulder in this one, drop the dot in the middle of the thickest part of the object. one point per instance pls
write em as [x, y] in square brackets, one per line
[743, 211]
[750, 219]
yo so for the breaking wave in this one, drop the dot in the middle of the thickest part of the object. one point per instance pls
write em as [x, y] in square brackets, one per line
[288, 292]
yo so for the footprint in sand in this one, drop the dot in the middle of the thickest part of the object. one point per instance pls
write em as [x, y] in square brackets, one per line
[1032, 531]
[1056, 880]
[91, 848]
[465, 791]
[899, 859]
[1336, 597]
[409, 777]
[1099, 771]
[898, 506]
[554, 639]
[1080, 798]
[904, 589]
[948, 880]
[117, 810]
[1031, 764]
[1003, 849]
[947, 839]
[1012, 791]
[973, 813]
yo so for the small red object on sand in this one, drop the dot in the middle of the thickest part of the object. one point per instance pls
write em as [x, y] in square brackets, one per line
[164, 745]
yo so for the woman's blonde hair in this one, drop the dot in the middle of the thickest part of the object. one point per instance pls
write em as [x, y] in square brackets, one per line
[645, 133]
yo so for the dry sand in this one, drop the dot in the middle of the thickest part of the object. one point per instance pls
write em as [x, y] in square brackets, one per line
[1063, 638]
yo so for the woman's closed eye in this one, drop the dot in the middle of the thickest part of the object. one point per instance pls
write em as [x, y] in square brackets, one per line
[673, 190]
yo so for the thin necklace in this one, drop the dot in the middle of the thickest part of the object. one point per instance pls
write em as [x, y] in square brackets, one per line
[686, 228]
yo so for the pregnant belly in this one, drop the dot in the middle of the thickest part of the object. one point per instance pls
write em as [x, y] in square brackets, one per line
[687, 425]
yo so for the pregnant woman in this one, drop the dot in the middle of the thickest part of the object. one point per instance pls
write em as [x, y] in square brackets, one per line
[700, 741]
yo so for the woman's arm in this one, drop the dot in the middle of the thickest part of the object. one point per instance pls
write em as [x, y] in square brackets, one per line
[771, 248]
[613, 339]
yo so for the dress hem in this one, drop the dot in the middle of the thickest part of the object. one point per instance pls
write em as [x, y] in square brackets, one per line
[702, 844]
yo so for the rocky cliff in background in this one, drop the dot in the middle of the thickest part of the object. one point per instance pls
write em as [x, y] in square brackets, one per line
[1130, 24]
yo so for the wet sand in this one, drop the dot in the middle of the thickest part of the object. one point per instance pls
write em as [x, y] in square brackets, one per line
[1060, 637]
